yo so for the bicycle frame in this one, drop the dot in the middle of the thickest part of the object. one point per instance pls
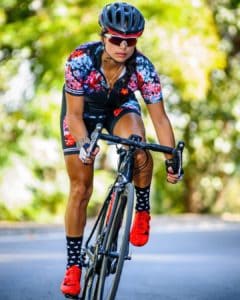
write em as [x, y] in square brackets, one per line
[124, 177]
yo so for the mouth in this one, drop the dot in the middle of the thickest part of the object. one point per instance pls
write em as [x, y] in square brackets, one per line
[120, 54]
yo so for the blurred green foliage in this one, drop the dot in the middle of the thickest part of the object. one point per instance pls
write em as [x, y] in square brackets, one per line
[194, 45]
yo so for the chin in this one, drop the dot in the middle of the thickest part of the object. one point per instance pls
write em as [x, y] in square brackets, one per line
[120, 60]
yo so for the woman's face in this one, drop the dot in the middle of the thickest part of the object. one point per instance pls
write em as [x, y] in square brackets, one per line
[119, 49]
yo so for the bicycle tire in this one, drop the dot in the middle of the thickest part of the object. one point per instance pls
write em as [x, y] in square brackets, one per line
[120, 228]
[90, 286]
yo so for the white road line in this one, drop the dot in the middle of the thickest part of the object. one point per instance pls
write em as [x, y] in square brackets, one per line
[15, 257]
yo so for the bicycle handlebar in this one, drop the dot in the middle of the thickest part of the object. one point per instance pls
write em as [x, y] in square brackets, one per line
[176, 152]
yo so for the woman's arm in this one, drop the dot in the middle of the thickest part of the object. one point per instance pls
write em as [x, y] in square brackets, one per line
[164, 133]
[77, 128]
[162, 125]
[74, 116]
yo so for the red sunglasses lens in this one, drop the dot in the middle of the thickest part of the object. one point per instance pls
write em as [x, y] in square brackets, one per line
[117, 41]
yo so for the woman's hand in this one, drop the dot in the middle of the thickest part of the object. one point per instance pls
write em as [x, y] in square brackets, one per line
[84, 155]
[173, 173]
[171, 177]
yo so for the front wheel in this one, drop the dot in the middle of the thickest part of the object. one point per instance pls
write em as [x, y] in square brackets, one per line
[91, 282]
[93, 248]
[117, 245]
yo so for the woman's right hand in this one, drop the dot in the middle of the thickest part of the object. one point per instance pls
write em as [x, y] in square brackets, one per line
[84, 155]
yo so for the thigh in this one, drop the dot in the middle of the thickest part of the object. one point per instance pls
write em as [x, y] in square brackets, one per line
[129, 123]
[78, 172]
[68, 142]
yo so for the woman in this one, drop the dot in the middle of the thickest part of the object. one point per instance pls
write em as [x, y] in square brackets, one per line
[100, 81]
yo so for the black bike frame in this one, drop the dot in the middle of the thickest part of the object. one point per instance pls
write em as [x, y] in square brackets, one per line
[125, 168]
[124, 175]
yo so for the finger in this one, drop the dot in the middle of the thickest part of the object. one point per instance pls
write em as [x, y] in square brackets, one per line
[88, 162]
[170, 170]
[85, 160]
[172, 176]
[172, 181]
[96, 150]
[94, 153]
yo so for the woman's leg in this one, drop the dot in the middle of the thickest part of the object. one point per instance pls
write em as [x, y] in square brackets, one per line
[131, 123]
[81, 186]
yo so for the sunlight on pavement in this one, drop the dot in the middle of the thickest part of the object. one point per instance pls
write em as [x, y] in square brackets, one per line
[181, 258]
[6, 258]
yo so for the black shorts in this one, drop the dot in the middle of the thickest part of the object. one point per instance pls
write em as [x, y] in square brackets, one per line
[109, 120]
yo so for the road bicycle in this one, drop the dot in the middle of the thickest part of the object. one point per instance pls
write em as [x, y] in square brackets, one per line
[107, 246]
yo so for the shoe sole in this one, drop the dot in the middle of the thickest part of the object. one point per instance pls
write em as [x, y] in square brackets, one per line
[76, 297]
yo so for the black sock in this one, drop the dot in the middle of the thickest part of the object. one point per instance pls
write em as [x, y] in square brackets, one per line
[142, 201]
[74, 245]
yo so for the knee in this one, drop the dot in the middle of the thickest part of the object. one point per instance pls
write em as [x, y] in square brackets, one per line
[80, 193]
[143, 161]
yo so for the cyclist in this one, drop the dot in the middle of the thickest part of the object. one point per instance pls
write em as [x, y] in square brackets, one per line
[101, 79]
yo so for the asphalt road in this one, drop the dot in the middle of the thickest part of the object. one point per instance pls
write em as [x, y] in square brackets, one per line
[187, 258]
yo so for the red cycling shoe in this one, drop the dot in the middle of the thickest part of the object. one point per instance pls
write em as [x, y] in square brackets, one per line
[139, 234]
[71, 282]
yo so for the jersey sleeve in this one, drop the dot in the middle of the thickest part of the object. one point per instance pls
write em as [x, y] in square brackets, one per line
[148, 81]
[75, 71]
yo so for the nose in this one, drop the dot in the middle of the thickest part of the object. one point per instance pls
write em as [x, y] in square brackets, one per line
[123, 44]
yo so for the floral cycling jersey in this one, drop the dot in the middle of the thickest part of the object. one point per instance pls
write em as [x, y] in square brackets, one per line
[84, 77]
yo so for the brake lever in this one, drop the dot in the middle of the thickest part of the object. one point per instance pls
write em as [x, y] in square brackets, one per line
[94, 138]
[179, 154]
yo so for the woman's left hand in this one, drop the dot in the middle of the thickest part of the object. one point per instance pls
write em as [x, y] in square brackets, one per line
[171, 177]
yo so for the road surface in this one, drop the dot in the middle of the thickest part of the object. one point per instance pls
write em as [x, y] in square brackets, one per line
[187, 258]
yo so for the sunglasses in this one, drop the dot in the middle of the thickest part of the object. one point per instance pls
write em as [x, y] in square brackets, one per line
[116, 40]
